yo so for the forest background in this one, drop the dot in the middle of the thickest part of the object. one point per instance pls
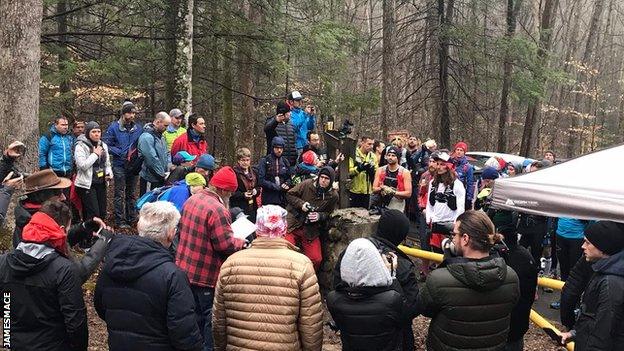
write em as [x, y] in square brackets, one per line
[517, 76]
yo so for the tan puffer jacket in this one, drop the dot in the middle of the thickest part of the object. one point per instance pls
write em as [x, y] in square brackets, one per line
[267, 298]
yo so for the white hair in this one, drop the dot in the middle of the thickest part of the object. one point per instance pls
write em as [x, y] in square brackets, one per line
[156, 219]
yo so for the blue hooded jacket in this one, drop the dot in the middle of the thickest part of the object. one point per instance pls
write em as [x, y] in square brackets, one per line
[177, 194]
[571, 228]
[302, 122]
[154, 150]
[465, 173]
[55, 151]
[119, 139]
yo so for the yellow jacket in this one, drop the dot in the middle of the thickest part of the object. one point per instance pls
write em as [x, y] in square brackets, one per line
[360, 182]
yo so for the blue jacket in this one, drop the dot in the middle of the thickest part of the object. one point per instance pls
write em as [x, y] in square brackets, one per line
[302, 122]
[119, 138]
[145, 299]
[268, 168]
[154, 150]
[55, 151]
[465, 173]
[177, 194]
[571, 228]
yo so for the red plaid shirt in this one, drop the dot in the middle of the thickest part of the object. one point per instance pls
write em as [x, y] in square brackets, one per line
[205, 238]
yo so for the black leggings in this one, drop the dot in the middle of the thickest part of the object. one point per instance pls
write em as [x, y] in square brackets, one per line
[93, 201]
[568, 251]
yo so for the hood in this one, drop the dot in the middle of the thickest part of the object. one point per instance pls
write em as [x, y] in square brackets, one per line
[150, 128]
[30, 258]
[483, 274]
[130, 257]
[83, 138]
[306, 169]
[362, 265]
[23, 213]
[328, 171]
[54, 131]
[613, 265]
[43, 229]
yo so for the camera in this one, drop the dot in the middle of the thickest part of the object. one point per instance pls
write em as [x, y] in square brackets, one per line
[346, 129]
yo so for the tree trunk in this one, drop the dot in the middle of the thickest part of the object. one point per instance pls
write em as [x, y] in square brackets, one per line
[532, 121]
[228, 113]
[445, 21]
[20, 34]
[574, 140]
[172, 99]
[67, 101]
[512, 11]
[184, 57]
[247, 118]
[388, 89]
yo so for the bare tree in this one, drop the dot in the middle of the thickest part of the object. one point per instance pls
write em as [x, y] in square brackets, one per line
[388, 89]
[20, 34]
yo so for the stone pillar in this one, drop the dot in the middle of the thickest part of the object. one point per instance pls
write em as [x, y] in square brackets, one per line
[346, 224]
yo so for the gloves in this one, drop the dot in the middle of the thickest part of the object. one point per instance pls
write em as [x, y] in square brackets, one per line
[361, 167]
[450, 199]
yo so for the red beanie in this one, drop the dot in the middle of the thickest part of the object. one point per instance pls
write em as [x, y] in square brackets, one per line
[461, 145]
[225, 179]
[309, 157]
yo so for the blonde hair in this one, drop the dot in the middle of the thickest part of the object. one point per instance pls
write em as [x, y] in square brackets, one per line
[242, 153]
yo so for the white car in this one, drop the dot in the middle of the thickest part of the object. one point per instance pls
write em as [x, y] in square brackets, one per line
[480, 157]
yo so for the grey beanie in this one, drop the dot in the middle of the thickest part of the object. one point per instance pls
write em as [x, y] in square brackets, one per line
[362, 265]
[91, 125]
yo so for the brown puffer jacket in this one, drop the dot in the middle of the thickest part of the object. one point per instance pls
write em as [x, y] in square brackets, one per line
[267, 298]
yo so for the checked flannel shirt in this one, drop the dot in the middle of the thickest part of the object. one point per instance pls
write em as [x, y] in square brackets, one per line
[205, 238]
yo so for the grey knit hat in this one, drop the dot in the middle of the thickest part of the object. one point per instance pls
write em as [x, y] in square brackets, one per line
[90, 126]
[362, 265]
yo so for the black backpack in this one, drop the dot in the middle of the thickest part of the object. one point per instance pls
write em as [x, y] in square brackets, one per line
[134, 159]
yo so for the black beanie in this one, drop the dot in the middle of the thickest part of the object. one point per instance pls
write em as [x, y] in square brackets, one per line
[282, 108]
[607, 236]
[393, 226]
[127, 107]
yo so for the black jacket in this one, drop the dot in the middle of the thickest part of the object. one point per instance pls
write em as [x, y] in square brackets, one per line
[83, 267]
[145, 299]
[470, 303]
[286, 130]
[405, 274]
[47, 308]
[573, 289]
[369, 318]
[521, 261]
[600, 326]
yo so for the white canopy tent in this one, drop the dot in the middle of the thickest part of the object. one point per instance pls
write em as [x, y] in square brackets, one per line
[588, 187]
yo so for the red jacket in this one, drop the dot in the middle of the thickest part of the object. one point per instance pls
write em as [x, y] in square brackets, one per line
[185, 143]
[205, 238]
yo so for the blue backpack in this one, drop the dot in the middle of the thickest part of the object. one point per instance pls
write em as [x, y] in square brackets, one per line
[151, 196]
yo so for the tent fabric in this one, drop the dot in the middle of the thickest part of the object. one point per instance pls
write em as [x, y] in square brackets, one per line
[588, 187]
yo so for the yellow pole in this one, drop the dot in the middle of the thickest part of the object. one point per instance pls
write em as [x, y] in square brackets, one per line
[550, 329]
[550, 283]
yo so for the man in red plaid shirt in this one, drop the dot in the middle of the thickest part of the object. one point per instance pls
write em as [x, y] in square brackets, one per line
[205, 241]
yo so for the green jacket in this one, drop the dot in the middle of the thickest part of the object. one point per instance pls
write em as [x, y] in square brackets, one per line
[170, 136]
[361, 183]
[470, 303]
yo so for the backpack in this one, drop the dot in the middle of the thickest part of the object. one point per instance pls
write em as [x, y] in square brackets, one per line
[134, 160]
[151, 196]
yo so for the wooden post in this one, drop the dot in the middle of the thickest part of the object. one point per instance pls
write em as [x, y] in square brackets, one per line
[335, 141]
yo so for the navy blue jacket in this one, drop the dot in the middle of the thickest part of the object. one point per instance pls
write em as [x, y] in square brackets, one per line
[268, 168]
[118, 139]
[145, 299]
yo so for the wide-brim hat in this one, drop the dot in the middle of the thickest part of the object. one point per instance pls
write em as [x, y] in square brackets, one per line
[43, 180]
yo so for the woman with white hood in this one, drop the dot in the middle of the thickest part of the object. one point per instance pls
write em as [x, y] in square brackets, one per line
[368, 309]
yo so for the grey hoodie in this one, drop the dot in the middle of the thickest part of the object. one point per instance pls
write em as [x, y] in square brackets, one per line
[362, 265]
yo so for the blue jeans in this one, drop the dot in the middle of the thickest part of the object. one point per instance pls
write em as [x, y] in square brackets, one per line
[203, 309]
[125, 196]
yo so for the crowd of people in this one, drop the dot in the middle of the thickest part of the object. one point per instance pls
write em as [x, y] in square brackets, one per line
[187, 281]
